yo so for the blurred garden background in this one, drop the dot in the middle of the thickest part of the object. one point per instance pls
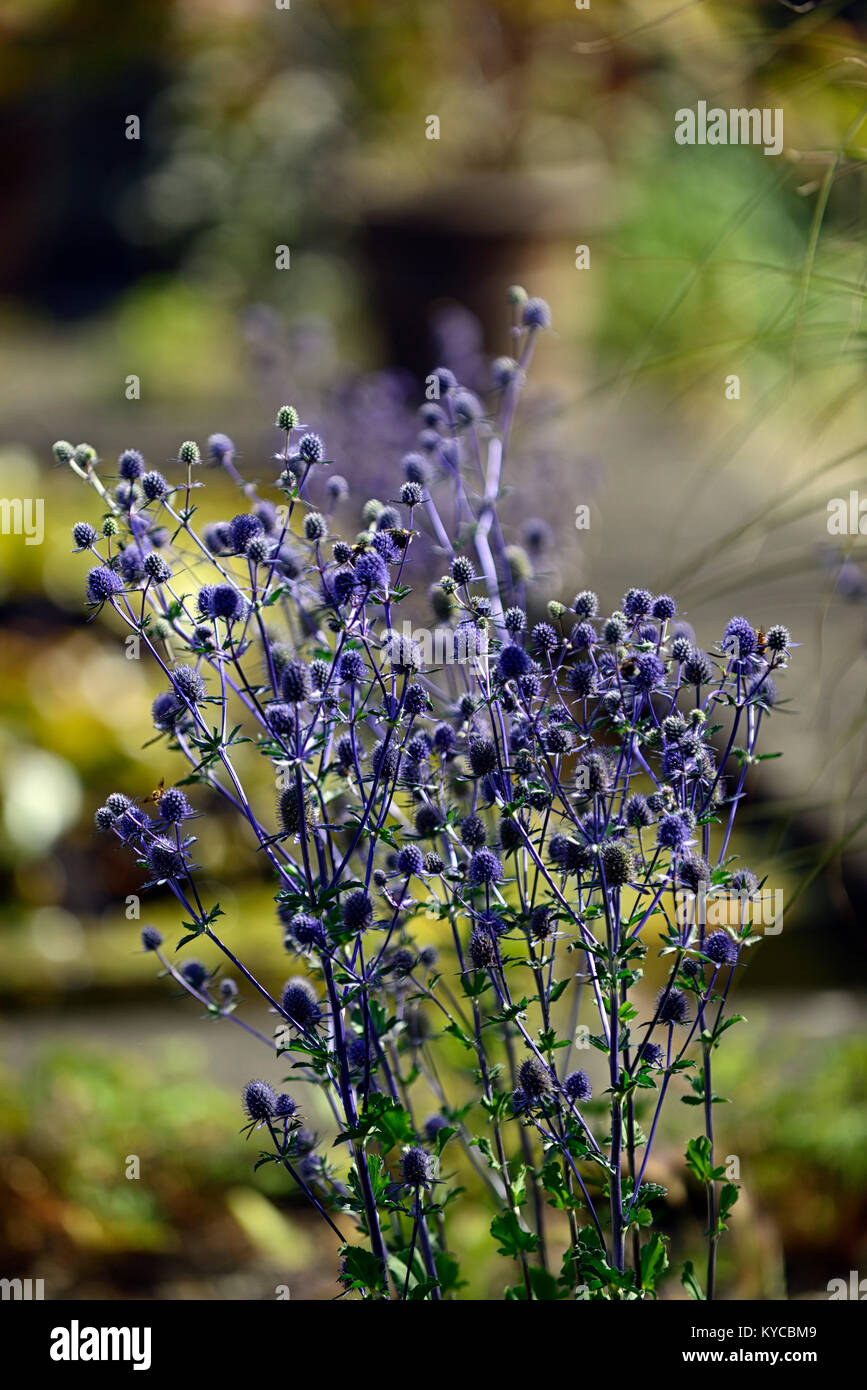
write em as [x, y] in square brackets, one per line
[148, 249]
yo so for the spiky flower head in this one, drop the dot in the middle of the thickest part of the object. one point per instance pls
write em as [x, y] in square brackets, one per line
[311, 449]
[617, 862]
[484, 868]
[174, 806]
[295, 682]
[720, 947]
[697, 669]
[672, 1006]
[357, 911]
[259, 1100]
[416, 1167]
[577, 1086]
[293, 809]
[463, 570]
[410, 860]
[536, 314]
[188, 684]
[102, 584]
[664, 607]
[300, 1002]
[130, 465]
[778, 638]
[535, 1079]
[84, 535]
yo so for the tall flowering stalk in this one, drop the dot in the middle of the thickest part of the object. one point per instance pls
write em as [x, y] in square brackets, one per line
[560, 798]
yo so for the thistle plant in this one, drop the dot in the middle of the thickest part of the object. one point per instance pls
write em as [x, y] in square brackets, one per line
[552, 801]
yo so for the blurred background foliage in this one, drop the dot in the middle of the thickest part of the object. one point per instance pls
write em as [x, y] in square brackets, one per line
[155, 257]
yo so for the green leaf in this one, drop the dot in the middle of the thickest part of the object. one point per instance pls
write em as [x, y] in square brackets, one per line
[448, 1271]
[513, 1238]
[362, 1269]
[690, 1283]
[654, 1261]
[698, 1158]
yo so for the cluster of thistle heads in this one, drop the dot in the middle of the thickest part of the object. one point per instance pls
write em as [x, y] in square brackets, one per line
[562, 779]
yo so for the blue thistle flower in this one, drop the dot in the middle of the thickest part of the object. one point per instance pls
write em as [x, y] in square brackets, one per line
[740, 637]
[584, 636]
[577, 1086]
[778, 639]
[637, 813]
[165, 860]
[259, 1100]
[672, 1007]
[664, 607]
[84, 535]
[357, 911]
[485, 868]
[536, 314]
[673, 831]
[174, 806]
[720, 948]
[695, 874]
[696, 668]
[410, 860]
[370, 573]
[586, 604]
[155, 568]
[582, 679]
[165, 710]
[311, 449]
[614, 629]
[299, 1001]
[221, 450]
[472, 832]
[482, 948]
[637, 603]
[130, 465]
[189, 684]
[512, 662]
[482, 756]
[195, 973]
[416, 1167]
[649, 671]
[103, 584]
[308, 932]
[292, 809]
[244, 528]
[416, 469]
[154, 485]
[617, 862]
[650, 1054]
[545, 638]
[535, 1079]
[295, 682]
[315, 527]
